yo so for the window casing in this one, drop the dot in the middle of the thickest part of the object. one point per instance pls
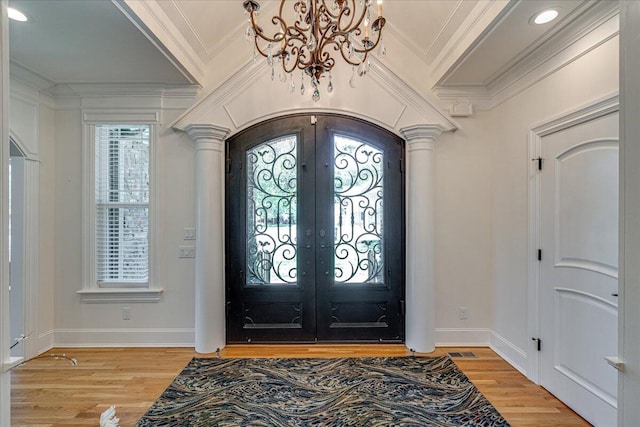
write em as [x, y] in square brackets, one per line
[119, 215]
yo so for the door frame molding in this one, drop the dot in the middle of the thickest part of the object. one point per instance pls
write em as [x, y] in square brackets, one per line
[597, 108]
[30, 230]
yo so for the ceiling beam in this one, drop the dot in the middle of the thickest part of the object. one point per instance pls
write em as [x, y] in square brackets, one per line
[151, 20]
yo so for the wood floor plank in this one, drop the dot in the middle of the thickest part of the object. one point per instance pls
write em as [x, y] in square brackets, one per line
[49, 392]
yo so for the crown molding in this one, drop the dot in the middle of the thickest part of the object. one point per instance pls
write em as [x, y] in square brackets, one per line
[21, 73]
[125, 89]
[470, 33]
[597, 25]
[450, 27]
[120, 95]
[185, 23]
[154, 23]
[476, 95]
[593, 27]
[542, 42]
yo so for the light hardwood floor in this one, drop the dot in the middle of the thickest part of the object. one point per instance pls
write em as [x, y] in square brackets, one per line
[50, 392]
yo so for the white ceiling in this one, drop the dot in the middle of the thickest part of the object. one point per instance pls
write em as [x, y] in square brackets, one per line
[86, 42]
[512, 37]
[94, 41]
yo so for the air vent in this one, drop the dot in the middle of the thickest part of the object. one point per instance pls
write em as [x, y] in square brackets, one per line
[462, 355]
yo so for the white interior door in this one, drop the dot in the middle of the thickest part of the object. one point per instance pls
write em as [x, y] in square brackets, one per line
[579, 267]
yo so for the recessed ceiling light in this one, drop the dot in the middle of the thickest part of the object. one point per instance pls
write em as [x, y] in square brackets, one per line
[545, 16]
[17, 15]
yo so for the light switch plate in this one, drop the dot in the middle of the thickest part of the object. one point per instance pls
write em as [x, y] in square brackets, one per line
[187, 252]
[189, 234]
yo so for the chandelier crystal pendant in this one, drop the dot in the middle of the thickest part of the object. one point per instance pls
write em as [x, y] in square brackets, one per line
[309, 33]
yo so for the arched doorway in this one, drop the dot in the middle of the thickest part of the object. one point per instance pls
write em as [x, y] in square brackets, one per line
[315, 231]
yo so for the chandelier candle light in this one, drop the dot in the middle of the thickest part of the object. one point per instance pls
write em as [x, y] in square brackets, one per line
[307, 35]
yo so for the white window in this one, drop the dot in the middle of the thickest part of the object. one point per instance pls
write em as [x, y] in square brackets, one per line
[122, 204]
[119, 214]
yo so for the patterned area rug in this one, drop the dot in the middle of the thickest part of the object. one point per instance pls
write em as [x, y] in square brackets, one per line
[393, 391]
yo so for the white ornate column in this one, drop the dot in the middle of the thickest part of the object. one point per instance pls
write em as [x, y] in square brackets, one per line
[420, 288]
[209, 290]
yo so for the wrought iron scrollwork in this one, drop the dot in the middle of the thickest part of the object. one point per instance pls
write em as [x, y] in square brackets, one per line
[271, 212]
[358, 204]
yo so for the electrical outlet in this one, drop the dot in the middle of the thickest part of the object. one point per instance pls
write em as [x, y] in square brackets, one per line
[126, 313]
[189, 234]
[463, 313]
[187, 252]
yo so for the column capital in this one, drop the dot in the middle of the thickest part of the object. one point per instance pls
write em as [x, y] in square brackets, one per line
[206, 131]
[422, 133]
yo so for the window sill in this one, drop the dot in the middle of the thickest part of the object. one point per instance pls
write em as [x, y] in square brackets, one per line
[120, 295]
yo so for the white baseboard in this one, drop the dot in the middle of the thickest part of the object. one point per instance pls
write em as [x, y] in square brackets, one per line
[141, 337]
[458, 337]
[185, 337]
[45, 341]
[509, 352]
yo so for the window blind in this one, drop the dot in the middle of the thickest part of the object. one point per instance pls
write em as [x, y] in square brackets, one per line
[122, 203]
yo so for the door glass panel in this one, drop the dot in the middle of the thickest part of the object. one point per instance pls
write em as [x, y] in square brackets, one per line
[271, 212]
[358, 220]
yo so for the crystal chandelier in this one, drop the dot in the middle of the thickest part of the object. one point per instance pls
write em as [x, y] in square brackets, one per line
[309, 34]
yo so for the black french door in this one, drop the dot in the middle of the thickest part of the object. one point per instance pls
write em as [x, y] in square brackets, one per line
[314, 232]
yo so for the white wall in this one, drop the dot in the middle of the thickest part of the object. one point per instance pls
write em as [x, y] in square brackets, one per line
[481, 212]
[481, 218]
[591, 76]
[463, 224]
[463, 233]
[167, 322]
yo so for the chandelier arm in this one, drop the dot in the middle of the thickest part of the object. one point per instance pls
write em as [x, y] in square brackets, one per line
[350, 11]
[300, 31]
[343, 46]
[326, 60]
[259, 49]
[327, 8]
[300, 55]
[369, 49]
[295, 64]
[259, 32]
[349, 61]
[298, 23]
[368, 45]
[292, 36]
[337, 39]
[282, 2]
